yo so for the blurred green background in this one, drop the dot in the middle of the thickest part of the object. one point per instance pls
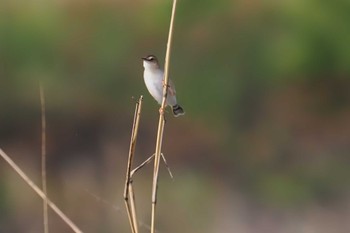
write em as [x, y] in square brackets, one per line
[264, 145]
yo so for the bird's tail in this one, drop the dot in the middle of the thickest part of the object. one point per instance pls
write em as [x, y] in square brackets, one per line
[178, 111]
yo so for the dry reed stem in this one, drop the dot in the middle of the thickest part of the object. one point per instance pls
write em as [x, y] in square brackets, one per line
[129, 191]
[39, 192]
[161, 119]
[43, 157]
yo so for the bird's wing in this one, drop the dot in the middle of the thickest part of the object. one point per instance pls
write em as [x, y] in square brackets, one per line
[171, 88]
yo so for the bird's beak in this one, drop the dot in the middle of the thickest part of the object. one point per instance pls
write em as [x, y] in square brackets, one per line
[144, 58]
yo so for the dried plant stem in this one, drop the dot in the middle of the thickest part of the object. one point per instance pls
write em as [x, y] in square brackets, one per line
[43, 158]
[147, 161]
[161, 122]
[129, 197]
[39, 192]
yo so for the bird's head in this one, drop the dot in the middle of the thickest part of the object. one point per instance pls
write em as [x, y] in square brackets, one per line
[150, 61]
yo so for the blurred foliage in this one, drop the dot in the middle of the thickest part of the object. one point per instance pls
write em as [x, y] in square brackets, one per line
[265, 84]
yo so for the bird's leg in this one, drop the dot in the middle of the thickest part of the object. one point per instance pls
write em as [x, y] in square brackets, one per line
[164, 84]
[161, 111]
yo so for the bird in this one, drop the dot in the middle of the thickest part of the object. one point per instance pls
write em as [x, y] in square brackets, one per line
[153, 76]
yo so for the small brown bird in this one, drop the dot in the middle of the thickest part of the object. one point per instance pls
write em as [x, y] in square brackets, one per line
[154, 76]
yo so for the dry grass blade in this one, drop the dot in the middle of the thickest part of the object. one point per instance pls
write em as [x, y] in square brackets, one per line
[129, 191]
[167, 166]
[43, 157]
[39, 192]
[147, 161]
[161, 119]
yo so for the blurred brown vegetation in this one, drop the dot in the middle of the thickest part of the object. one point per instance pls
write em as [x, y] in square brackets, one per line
[264, 145]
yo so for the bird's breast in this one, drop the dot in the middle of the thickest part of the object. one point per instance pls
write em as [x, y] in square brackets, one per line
[153, 81]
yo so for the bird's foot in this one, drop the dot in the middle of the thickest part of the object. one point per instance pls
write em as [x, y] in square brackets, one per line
[164, 84]
[161, 111]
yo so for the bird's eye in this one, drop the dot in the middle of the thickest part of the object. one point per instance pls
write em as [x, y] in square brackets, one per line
[151, 59]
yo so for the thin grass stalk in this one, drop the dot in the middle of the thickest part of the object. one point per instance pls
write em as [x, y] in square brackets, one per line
[133, 208]
[39, 192]
[129, 196]
[161, 122]
[130, 215]
[43, 158]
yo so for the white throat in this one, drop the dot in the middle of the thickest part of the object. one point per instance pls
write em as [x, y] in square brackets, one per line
[150, 66]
